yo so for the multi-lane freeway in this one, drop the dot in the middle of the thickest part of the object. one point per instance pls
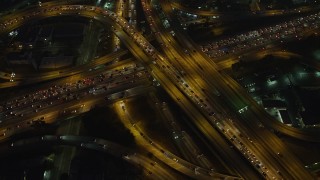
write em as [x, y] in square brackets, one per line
[225, 116]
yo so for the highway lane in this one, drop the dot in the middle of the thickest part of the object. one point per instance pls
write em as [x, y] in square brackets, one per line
[66, 72]
[132, 12]
[261, 155]
[71, 86]
[35, 78]
[105, 146]
[262, 38]
[274, 139]
[140, 137]
[166, 81]
[227, 61]
[184, 142]
[125, 40]
[161, 153]
[154, 170]
[34, 109]
[169, 54]
[263, 13]
[186, 74]
[119, 12]
[212, 136]
[185, 153]
[278, 150]
[175, 134]
[36, 4]
[46, 85]
[167, 72]
[119, 80]
[66, 110]
[140, 55]
[63, 160]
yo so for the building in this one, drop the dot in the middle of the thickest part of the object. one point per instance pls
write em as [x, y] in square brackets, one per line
[277, 109]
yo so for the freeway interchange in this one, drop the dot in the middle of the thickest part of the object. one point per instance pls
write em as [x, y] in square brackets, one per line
[219, 108]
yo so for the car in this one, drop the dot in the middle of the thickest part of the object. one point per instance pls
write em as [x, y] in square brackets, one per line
[264, 173]
[279, 173]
